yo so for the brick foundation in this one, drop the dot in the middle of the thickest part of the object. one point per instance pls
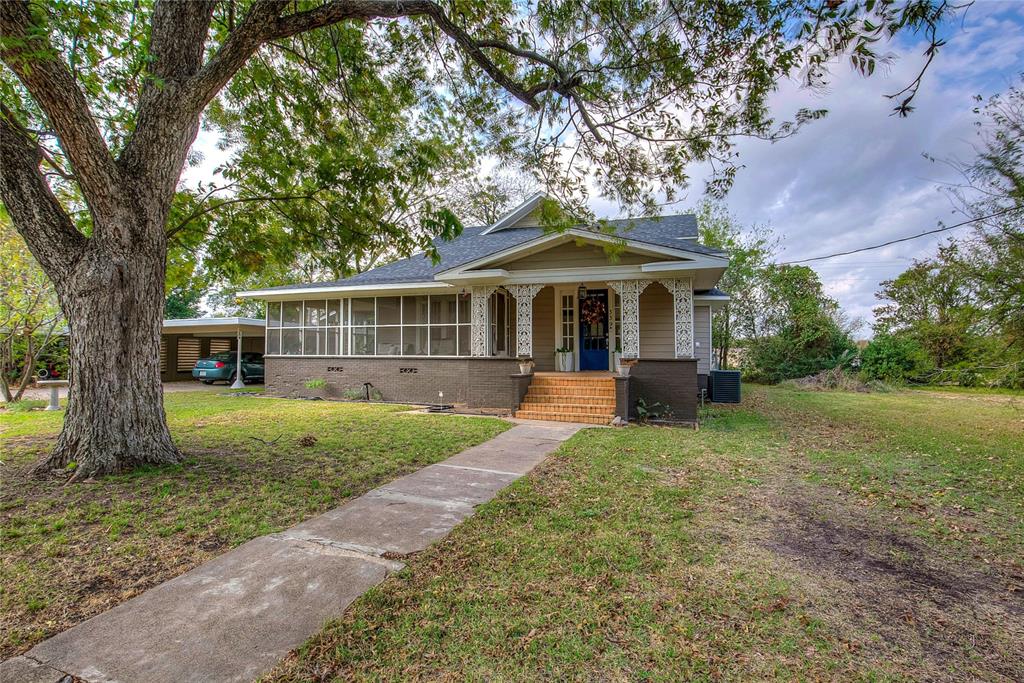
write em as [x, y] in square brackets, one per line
[671, 382]
[484, 383]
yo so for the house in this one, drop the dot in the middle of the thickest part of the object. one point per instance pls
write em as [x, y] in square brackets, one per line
[455, 332]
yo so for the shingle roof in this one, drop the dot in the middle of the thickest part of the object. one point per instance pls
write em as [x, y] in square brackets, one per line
[676, 232]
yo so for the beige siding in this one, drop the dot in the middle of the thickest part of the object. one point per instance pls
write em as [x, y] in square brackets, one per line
[544, 330]
[572, 256]
[702, 337]
[657, 328]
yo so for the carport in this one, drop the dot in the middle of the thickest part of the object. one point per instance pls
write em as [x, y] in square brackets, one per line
[186, 340]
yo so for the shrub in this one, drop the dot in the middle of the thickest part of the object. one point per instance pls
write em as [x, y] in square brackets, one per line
[891, 358]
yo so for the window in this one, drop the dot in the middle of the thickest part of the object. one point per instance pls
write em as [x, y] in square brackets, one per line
[372, 326]
[163, 355]
[568, 322]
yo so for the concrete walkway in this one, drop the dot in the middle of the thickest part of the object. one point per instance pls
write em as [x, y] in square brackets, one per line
[236, 616]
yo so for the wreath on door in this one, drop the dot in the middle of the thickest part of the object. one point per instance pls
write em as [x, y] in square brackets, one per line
[593, 311]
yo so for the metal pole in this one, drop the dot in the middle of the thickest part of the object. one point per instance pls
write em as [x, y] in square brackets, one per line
[239, 384]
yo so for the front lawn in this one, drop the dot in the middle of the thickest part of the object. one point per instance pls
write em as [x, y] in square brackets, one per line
[800, 536]
[254, 466]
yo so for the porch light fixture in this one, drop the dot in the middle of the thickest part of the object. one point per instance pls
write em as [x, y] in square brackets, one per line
[583, 292]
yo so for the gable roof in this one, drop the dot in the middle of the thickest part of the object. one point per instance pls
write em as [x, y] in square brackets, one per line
[517, 214]
[674, 232]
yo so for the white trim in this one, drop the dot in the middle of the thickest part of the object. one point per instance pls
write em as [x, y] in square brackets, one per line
[572, 234]
[516, 214]
[301, 292]
[410, 357]
[214, 322]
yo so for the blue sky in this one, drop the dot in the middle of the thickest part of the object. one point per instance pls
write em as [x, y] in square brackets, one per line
[858, 177]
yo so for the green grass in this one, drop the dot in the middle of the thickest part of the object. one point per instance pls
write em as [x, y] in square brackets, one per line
[71, 552]
[762, 547]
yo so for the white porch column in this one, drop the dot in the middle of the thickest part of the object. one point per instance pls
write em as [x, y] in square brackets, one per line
[682, 307]
[238, 384]
[524, 317]
[629, 297]
[478, 330]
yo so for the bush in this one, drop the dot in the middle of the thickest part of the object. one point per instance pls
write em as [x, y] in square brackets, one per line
[890, 358]
[771, 360]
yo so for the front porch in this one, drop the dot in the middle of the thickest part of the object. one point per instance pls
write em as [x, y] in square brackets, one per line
[588, 326]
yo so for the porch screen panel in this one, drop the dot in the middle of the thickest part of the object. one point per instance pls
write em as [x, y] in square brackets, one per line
[163, 355]
[188, 353]
[499, 323]
[389, 325]
[420, 325]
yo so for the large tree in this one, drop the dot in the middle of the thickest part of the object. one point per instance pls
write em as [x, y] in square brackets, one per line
[102, 102]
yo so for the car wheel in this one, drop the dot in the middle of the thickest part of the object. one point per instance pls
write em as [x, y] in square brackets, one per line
[207, 381]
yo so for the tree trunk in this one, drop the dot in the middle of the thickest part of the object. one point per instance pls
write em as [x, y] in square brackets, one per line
[113, 303]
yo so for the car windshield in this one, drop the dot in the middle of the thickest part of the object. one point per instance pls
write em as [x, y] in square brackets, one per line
[227, 355]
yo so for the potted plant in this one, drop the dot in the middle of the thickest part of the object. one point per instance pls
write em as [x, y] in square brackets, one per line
[525, 365]
[624, 365]
[564, 359]
[617, 358]
[317, 388]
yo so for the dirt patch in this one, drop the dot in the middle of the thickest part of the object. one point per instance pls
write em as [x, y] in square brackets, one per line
[955, 621]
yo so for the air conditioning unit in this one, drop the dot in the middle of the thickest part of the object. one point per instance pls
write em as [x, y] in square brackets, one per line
[725, 386]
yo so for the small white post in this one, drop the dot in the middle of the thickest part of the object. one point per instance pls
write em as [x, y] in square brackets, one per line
[54, 398]
[239, 384]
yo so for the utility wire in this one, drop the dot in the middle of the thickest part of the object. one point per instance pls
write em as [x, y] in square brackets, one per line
[901, 239]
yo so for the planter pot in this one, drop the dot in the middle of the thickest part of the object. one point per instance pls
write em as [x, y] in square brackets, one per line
[564, 361]
[525, 368]
[617, 362]
[624, 366]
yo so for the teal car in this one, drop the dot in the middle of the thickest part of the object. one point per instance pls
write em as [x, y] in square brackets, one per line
[220, 367]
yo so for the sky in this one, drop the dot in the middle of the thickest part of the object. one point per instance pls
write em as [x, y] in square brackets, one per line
[859, 176]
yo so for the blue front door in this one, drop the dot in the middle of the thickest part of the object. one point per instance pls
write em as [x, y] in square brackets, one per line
[594, 330]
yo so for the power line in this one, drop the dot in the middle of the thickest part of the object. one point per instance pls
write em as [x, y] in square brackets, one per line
[901, 239]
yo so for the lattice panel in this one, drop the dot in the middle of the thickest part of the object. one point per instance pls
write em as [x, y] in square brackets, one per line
[524, 317]
[480, 295]
[682, 308]
[629, 297]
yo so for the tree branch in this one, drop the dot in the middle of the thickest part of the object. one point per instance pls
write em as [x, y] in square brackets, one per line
[51, 84]
[37, 215]
[162, 135]
[263, 24]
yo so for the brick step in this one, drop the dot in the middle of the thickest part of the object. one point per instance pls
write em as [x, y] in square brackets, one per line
[579, 409]
[564, 417]
[569, 379]
[602, 401]
[572, 391]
